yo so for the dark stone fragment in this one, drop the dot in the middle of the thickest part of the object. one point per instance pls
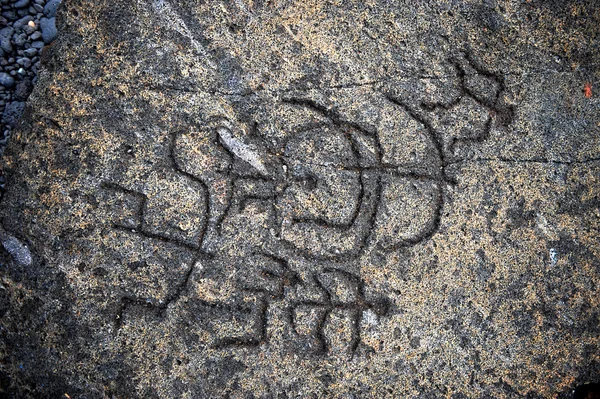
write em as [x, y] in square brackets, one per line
[6, 45]
[21, 4]
[133, 266]
[28, 29]
[22, 22]
[20, 39]
[6, 80]
[25, 63]
[10, 15]
[12, 113]
[30, 52]
[50, 8]
[48, 27]
[23, 90]
[6, 33]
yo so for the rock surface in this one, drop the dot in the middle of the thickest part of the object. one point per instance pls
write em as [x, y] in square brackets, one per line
[306, 199]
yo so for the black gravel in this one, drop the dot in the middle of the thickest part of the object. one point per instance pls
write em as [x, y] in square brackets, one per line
[26, 26]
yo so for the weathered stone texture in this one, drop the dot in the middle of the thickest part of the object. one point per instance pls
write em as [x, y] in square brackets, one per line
[306, 199]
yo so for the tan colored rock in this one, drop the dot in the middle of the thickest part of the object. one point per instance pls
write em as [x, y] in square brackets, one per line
[306, 199]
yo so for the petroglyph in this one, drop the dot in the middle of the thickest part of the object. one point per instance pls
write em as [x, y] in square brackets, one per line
[299, 198]
[330, 190]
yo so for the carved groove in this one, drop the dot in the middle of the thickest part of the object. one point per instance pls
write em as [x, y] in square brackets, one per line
[261, 174]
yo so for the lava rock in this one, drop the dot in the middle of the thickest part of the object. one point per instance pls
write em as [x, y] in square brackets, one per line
[7, 32]
[22, 22]
[10, 15]
[30, 52]
[35, 35]
[23, 89]
[5, 37]
[294, 199]
[20, 39]
[51, 7]
[6, 45]
[21, 4]
[48, 27]
[24, 62]
[12, 113]
[6, 80]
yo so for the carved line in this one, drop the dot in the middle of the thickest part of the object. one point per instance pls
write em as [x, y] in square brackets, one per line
[140, 228]
[380, 168]
[287, 278]
[127, 301]
[433, 136]
[190, 176]
[505, 113]
[327, 306]
[345, 127]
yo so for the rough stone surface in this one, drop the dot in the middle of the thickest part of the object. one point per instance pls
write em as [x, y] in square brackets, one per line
[306, 199]
[12, 113]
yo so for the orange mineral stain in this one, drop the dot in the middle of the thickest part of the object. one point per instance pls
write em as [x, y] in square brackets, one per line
[587, 90]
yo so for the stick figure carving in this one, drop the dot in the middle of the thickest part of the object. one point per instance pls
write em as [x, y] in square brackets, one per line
[332, 189]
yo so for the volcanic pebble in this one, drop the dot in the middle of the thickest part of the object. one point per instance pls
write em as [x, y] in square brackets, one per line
[26, 26]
